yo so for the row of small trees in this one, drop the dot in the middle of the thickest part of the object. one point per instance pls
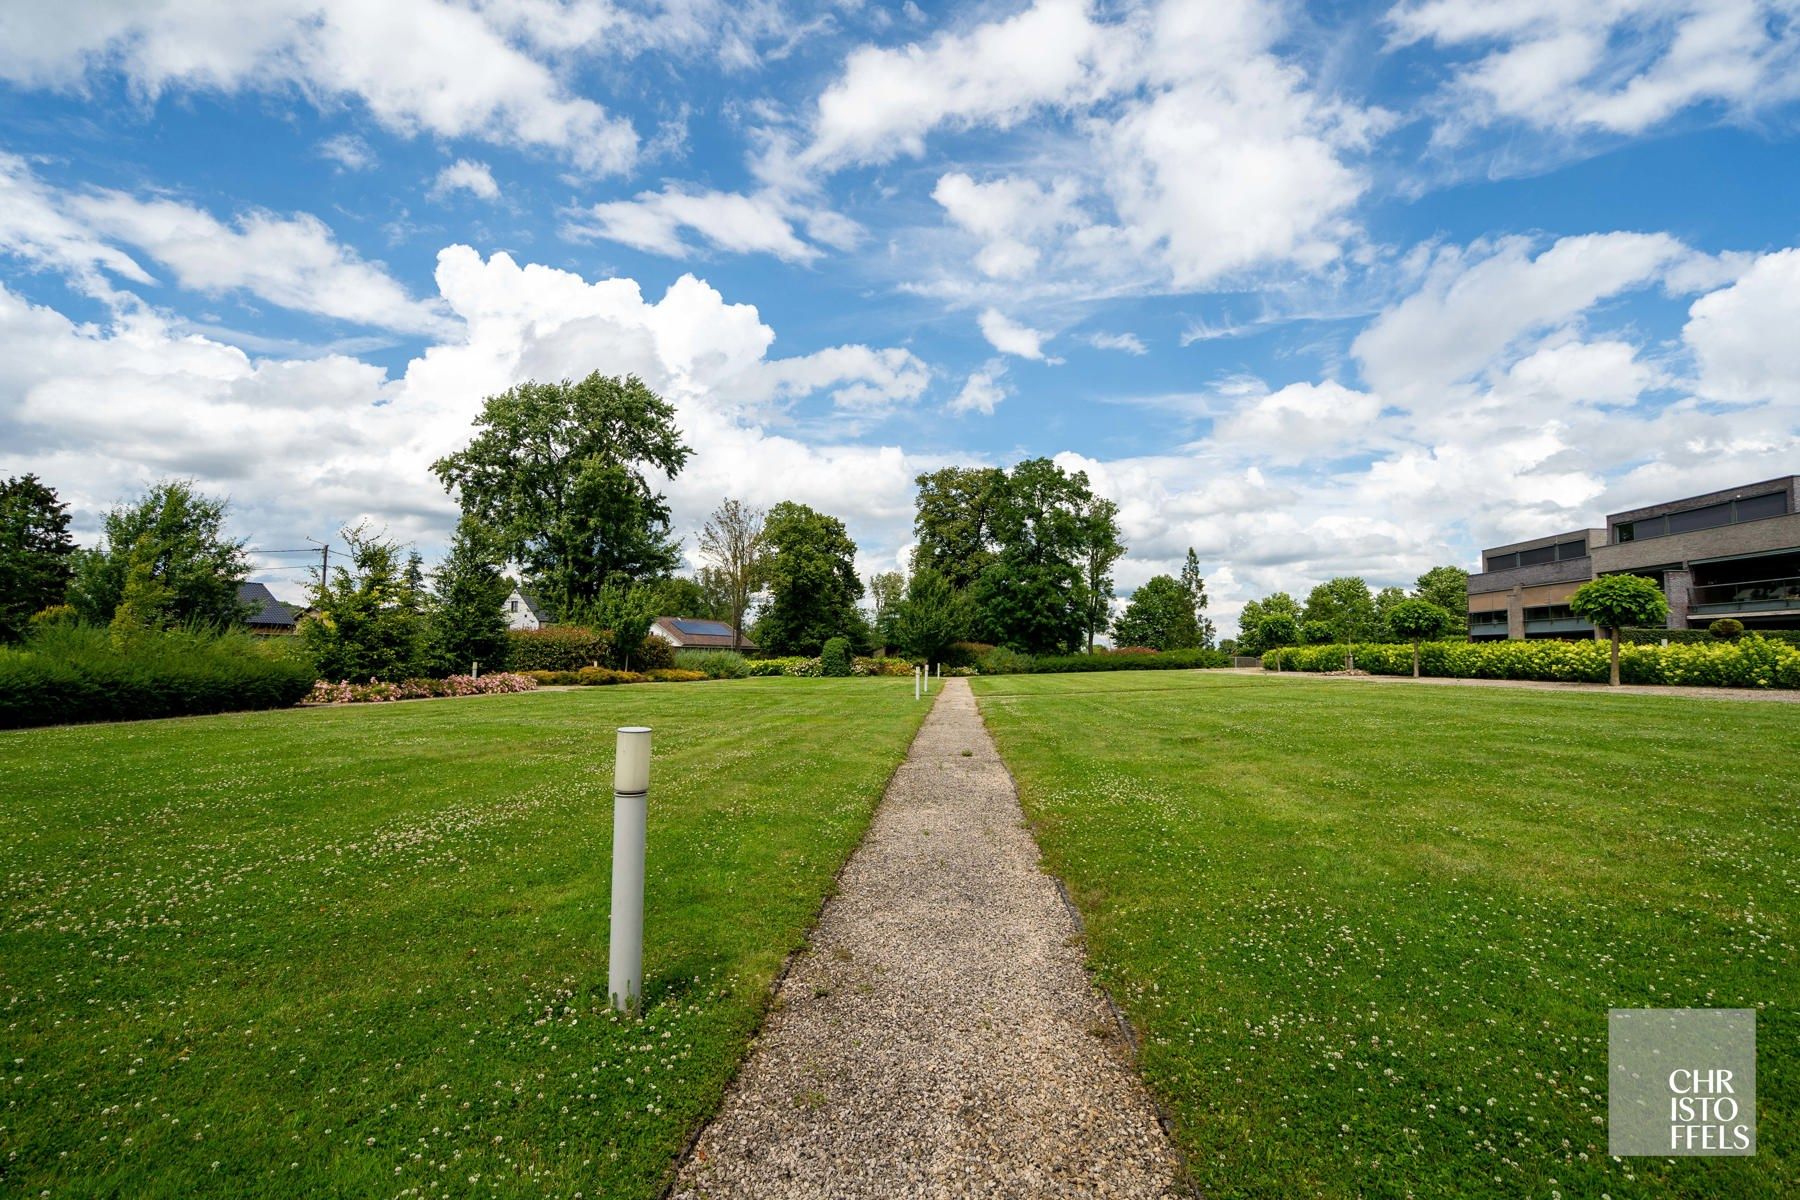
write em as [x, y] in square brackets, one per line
[1345, 609]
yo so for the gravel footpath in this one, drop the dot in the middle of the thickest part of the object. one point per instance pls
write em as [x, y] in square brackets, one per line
[939, 1037]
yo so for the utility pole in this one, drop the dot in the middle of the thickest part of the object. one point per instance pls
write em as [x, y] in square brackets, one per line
[324, 564]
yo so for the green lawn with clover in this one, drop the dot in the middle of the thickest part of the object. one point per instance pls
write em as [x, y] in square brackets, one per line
[362, 951]
[1370, 933]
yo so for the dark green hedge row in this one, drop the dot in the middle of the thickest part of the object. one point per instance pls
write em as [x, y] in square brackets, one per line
[74, 674]
[1169, 660]
[572, 647]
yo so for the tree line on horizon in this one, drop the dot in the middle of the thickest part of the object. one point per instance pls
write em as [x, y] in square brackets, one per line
[556, 479]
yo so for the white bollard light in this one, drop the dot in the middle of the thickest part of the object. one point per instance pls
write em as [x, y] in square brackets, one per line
[475, 669]
[915, 681]
[926, 671]
[631, 802]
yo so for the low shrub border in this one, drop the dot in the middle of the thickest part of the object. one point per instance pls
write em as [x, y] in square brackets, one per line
[375, 692]
[65, 674]
[1749, 662]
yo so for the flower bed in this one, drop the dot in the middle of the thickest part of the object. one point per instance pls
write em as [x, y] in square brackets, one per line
[375, 692]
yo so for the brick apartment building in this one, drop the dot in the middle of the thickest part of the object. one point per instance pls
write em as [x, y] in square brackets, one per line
[1733, 553]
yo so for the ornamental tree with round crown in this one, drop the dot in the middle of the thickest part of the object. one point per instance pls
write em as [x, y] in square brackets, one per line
[1416, 621]
[1614, 602]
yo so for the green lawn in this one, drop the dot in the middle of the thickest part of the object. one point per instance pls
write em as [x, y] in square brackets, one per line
[362, 951]
[1371, 932]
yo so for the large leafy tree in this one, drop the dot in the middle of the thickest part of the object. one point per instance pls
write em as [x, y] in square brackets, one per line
[1160, 616]
[954, 522]
[559, 472]
[931, 617]
[1252, 639]
[1344, 607]
[1100, 548]
[1030, 596]
[733, 544]
[1195, 586]
[36, 553]
[1614, 602]
[175, 537]
[1385, 602]
[886, 591]
[813, 585]
[370, 621]
[468, 622]
[1448, 588]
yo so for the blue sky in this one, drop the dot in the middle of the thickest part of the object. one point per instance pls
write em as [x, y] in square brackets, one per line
[1314, 289]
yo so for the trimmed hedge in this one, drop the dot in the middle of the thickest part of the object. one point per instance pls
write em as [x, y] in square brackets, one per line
[557, 648]
[1008, 662]
[1701, 637]
[1749, 662]
[675, 675]
[585, 677]
[71, 673]
[572, 647]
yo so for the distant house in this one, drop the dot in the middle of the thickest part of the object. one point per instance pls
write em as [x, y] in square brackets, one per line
[267, 614]
[525, 611]
[691, 633]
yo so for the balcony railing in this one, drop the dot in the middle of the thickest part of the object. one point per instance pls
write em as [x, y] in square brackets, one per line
[1746, 595]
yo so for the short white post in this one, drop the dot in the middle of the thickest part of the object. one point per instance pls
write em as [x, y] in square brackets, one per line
[631, 802]
[927, 672]
[940, 671]
[475, 669]
[915, 681]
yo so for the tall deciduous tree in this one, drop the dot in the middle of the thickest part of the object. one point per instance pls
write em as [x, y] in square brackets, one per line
[1385, 602]
[733, 544]
[178, 536]
[1029, 596]
[1100, 549]
[559, 471]
[954, 522]
[931, 617]
[1344, 607]
[1614, 602]
[1252, 639]
[469, 620]
[813, 585]
[1160, 616]
[886, 590]
[1195, 586]
[36, 553]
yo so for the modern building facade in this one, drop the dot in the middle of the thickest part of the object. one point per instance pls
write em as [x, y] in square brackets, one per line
[1732, 553]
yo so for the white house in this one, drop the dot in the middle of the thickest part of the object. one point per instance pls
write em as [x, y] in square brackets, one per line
[524, 611]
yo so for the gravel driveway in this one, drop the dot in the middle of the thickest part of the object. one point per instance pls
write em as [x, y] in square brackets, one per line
[940, 1037]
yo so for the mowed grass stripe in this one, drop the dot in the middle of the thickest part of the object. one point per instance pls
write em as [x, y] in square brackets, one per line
[362, 951]
[1372, 933]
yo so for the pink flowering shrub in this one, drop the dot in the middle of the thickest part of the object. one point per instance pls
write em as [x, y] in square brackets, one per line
[375, 692]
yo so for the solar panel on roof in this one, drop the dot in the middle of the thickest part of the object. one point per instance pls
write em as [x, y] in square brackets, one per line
[703, 628]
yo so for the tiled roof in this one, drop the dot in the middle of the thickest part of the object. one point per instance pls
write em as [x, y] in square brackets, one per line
[265, 609]
[701, 634]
